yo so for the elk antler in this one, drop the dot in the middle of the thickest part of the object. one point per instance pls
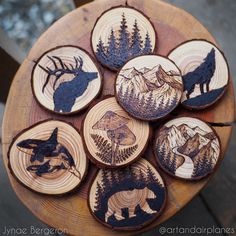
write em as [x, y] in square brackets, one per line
[58, 72]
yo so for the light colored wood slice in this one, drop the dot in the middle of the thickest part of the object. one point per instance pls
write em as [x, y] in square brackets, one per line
[48, 157]
[169, 23]
[187, 148]
[205, 73]
[129, 198]
[120, 34]
[149, 87]
[65, 79]
[112, 137]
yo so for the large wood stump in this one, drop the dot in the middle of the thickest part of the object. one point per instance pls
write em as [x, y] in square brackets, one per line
[174, 26]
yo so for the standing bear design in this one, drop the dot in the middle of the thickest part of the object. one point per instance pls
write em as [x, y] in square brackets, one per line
[130, 199]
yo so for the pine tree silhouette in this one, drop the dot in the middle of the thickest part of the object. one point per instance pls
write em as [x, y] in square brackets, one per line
[147, 46]
[98, 197]
[163, 152]
[161, 105]
[101, 51]
[123, 40]
[126, 97]
[148, 102]
[150, 175]
[173, 163]
[111, 47]
[120, 92]
[113, 178]
[136, 46]
[105, 180]
[141, 103]
[141, 177]
[120, 49]
[174, 101]
[202, 167]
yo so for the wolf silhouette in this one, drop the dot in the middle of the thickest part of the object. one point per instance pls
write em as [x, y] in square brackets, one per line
[201, 75]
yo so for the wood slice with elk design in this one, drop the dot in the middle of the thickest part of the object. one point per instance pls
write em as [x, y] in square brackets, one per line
[128, 198]
[149, 87]
[120, 34]
[112, 137]
[187, 148]
[65, 79]
[48, 157]
[204, 70]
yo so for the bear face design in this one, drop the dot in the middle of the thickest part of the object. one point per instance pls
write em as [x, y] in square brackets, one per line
[129, 199]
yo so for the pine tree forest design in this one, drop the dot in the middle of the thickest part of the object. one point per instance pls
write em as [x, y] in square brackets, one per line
[127, 183]
[149, 93]
[116, 134]
[124, 46]
[187, 152]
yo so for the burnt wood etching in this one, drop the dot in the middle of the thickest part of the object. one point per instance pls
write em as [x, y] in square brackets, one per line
[187, 148]
[44, 152]
[149, 90]
[111, 136]
[129, 198]
[68, 80]
[205, 72]
[127, 36]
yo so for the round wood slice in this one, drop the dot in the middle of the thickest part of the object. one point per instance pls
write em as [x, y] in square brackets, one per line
[48, 157]
[65, 79]
[111, 136]
[149, 87]
[187, 148]
[129, 198]
[121, 33]
[205, 73]
[23, 111]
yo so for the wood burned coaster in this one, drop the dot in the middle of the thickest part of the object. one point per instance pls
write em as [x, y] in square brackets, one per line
[149, 87]
[120, 34]
[187, 148]
[112, 137]
[204, 70]
[128, 198]
[48, 157]
[65, 79]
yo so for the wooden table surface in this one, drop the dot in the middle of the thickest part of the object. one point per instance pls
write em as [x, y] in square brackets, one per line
[70, 212]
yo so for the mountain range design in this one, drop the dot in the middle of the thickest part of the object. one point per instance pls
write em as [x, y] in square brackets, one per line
[149, 93]
[179, 144]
